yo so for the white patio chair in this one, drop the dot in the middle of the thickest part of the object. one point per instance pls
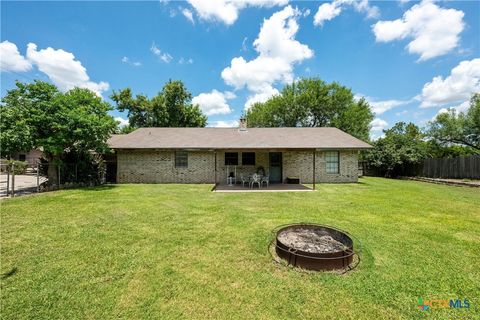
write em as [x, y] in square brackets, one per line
[256, 179]
[244, 180]
[266, 179]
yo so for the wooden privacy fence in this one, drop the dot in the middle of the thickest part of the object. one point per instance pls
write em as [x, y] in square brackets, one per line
[453, 168]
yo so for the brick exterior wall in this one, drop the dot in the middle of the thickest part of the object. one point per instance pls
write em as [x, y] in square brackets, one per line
[159, 167]
[300, 164]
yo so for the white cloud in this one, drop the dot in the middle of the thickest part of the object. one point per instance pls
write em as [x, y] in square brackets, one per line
[278, 51]
[258, 73]
[226, 11]
[380, 107]
[364, 7]
[463, 81]
[328, 11]
[224, 124]
[121, 122]
[187, 13]
[229, 95]
[155, 50]
[377, 127]
[462, 107]
[165, 57]
[378, 124]
[185, 61]
[261, 96]
[133, 63]
[216, 10]
[214, 102]
[11, 59]
[62, 68]
[434, 30]
[277, 37]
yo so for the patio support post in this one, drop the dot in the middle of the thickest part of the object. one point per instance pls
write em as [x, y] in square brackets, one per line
[215, 152]
[313, 169]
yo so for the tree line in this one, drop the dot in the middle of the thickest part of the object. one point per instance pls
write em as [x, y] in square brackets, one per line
[73, 124]
[450, 134]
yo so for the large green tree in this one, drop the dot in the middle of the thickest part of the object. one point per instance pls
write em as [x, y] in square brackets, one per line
[311, 102]
[171, 107]
[37, 115]
[452, 128]
[403, 145]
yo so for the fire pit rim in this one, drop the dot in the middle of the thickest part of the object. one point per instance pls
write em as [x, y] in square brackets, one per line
[314, 255]
[355, 248]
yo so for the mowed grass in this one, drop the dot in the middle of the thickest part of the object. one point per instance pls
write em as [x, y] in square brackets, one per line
[181, 251]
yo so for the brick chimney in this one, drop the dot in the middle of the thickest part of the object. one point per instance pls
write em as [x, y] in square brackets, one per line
[242, 126]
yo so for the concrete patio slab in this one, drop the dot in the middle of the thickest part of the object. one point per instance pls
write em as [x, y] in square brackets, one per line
[276, 187]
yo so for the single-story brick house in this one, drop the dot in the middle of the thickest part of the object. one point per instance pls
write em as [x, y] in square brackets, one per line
[210, 155]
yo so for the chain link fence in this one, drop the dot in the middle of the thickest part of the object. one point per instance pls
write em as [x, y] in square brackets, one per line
[20, 178]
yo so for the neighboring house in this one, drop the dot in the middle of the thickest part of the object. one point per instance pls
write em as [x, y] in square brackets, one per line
[209, 155]
[32, 157]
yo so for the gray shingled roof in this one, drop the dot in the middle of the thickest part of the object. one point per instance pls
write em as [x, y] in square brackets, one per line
[233, 138]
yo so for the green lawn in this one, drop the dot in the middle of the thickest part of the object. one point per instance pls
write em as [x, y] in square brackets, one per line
[181, 251]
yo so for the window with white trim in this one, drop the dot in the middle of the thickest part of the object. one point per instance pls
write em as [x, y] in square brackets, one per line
[332, 160]
[181, 159]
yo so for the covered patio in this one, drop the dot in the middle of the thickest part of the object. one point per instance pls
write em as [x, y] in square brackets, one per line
[264, 170]
[273, 187]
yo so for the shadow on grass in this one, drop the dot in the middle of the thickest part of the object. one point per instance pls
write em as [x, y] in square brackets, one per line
[103, 187]
[8, 274]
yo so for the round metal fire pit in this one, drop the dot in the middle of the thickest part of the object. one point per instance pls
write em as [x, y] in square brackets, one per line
[314, 247]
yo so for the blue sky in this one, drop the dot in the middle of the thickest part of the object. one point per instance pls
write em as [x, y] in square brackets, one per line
[410, 59]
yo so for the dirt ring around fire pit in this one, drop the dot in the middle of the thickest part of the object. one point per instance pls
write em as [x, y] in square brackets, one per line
[315, 247]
